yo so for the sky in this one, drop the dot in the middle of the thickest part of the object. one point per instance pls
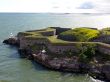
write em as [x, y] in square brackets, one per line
[56, 6]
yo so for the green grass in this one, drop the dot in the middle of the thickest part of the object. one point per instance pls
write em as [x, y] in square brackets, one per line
[42, 30]
[106, 31]
[36, 34]
[82, 34]
[53, 39]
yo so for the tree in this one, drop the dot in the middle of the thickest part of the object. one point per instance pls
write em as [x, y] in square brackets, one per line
[86, 52]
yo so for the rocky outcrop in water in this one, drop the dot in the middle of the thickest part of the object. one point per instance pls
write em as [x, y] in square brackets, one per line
[70, 64]
[62, 64]
[11, 41]
[106, 70]
[100, 71]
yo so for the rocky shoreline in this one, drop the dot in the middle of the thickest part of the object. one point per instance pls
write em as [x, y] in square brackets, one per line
[11, 41]
[64, 64]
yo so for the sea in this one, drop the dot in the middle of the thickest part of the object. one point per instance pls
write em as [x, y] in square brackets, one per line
[16, 69]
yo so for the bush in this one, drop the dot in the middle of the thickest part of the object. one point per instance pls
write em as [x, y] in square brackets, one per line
[86, 52]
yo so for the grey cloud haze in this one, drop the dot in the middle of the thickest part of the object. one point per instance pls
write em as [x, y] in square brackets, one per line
[68, 6]
[86, 5]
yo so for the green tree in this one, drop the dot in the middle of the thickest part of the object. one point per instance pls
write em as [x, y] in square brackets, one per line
[86, 52]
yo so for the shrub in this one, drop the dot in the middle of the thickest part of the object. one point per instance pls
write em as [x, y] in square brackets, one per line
[86, 52]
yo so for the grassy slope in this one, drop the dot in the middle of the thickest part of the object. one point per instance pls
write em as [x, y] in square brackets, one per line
[82, 34]
[106, 31]
[36, 34]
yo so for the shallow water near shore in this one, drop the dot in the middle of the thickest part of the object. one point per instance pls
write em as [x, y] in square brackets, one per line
[15, 69]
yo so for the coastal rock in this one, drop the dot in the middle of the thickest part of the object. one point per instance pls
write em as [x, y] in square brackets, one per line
[41, 56]
[23, 53]
[95, 72]
[101, 72]
[106, 70]
[11, 41]
[54, 65]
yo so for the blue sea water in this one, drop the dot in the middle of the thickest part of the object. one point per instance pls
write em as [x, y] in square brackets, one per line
[15, 69]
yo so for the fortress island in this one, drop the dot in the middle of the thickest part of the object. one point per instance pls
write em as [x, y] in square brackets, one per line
[78, 50]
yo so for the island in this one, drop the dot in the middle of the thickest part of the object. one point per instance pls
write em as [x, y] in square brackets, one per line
[78, 50]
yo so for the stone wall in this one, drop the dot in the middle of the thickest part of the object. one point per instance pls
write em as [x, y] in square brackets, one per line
[101, 47]
[24, 42]
[59, 29]
[104, 38]
[104, 48]
[67, 37]
[49, 33]
[61, 49]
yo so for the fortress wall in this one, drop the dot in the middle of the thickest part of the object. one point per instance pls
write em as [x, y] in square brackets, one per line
[61, 49]
[24, 43]
[105, 39]
[27, 42]
[103, 48]
[59, 29]
[49, 33]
